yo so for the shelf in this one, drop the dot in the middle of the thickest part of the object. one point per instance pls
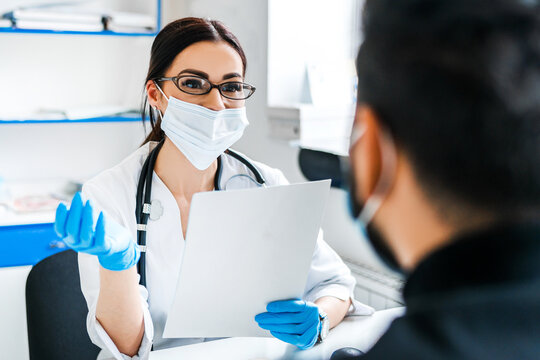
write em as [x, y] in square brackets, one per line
[313, 127]
[100, 33]
[125, 118]
[7, 30]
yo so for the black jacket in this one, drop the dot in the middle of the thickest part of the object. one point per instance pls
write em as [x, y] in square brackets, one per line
[477, 298]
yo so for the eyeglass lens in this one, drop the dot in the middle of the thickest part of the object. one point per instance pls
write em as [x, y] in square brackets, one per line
[199, 86]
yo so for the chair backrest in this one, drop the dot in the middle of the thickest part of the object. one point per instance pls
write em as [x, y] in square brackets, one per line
[321, 165]
[56, 310]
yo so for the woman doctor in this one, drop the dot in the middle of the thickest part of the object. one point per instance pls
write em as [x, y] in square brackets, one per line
[196, 94]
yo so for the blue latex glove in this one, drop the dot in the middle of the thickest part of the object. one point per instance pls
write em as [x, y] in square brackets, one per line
[108, 240]
[293, 321]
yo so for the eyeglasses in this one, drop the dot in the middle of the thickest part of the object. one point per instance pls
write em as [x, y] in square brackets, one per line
[196, 85]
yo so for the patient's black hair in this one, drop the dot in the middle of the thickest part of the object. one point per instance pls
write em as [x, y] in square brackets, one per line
[457, 83]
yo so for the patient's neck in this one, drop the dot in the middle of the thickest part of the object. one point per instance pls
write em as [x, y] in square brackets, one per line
[414, 225]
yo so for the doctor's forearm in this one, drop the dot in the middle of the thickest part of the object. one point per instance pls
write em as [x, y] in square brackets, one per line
[119, 309]
[335, 308]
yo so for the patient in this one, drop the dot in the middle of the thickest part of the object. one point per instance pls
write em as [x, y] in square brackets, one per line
[445, 158]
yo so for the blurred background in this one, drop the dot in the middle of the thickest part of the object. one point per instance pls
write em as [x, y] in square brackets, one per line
[72, 77]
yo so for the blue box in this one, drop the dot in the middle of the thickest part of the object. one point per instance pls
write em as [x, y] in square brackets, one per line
[28, 244]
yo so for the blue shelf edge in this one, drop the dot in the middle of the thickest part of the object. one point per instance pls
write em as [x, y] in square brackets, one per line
[105, 32]
[26, 226]
[89, 120]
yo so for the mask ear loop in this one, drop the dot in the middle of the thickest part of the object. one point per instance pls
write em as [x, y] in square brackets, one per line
[155, 108]
[166, 98]
[386, 179]
[161, 91]
[356, 133]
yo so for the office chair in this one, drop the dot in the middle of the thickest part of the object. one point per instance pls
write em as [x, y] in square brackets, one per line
[320, 165]
[56, 310]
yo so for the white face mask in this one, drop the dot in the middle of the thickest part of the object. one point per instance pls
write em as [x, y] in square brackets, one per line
[199, 133]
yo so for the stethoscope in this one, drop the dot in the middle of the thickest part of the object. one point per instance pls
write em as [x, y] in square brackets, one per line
[144, 189]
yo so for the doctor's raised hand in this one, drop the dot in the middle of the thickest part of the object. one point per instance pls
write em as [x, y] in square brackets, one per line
[109, 241]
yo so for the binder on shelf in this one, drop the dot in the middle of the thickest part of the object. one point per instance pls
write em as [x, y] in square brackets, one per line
[129, 29]
[55, 19]
[66, 14]
[57, 26]
[127, 20]
[72, 17]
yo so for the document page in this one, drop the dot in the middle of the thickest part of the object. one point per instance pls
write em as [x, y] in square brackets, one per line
[244, 249]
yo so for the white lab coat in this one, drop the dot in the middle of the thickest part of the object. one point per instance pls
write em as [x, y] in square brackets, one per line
[113, 191]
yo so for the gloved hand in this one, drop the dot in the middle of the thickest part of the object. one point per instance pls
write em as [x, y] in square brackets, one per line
[293, 321]
[109, 241]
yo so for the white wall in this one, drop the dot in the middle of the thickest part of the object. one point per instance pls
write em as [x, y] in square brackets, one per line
[303, 32]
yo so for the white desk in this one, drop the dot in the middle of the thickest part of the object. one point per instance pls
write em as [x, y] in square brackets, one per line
[360, 332]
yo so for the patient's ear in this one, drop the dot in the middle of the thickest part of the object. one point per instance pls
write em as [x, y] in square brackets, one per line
[365, 154]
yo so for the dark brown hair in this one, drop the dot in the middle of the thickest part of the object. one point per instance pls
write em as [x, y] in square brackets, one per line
[171, 41]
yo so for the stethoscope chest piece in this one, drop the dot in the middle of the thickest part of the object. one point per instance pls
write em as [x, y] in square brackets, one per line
[156, 210]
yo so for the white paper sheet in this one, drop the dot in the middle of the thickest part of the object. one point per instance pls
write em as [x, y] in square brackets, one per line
[244, 249]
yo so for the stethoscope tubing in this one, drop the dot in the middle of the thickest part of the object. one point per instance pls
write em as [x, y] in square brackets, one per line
[144, 189]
